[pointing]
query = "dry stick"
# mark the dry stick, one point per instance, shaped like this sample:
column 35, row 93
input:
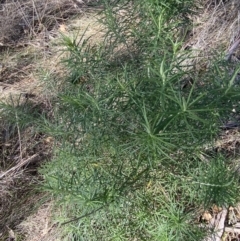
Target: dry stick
column 19, row 137
column 35, row 9
column 19, row 165
column 23, row 14
column 221, row 220
column 232, row 230
column 218, row 224
column 232, row 49
column 5, row 84
column 83, row 216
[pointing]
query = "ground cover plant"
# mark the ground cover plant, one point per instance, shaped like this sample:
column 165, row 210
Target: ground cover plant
column 134, row 121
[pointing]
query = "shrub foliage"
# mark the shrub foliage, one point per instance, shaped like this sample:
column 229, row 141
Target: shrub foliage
column 134, row 122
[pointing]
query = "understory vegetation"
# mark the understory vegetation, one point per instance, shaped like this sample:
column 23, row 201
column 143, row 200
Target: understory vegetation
column 134, row 126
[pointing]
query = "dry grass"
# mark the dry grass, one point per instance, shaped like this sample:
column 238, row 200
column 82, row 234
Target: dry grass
column 216, row 29
column 22, row 152
column 39, row 226
column 29, row 52
column 21, row 19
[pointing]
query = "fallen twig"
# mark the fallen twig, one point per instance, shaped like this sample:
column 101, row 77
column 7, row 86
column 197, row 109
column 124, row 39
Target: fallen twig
column 83, row 216
column 218, row 224
column 232, row 49
column 20, row 165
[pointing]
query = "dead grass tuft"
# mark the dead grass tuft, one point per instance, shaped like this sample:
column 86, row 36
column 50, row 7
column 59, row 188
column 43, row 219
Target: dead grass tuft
column 22, row 152
column 215, row 29
column 22, row 20
column 39, row 226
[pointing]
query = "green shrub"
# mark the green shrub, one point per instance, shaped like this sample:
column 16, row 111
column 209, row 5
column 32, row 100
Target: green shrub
column 132, row 132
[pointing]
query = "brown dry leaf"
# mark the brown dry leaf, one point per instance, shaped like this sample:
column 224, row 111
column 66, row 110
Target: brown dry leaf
column 216, row 209
column 233, row 215
column 62, row 28
column 48, row 140
column 206, row 216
